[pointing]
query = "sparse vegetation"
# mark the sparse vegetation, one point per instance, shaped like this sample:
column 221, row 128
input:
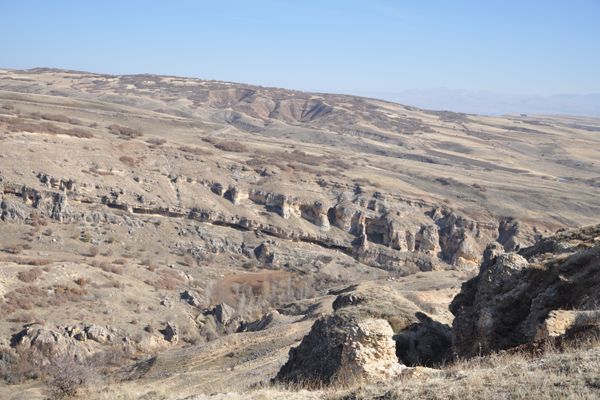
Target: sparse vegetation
column 227, row 145
column 21, row 125
column 60, row 118
column 156, row 141
column 124, row 131
column 29, row 275
column 195, row 150
column 127, row 160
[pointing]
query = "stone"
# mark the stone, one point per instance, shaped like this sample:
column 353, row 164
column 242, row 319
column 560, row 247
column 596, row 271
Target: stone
column 98, row 333
column 516, row 297
column 369, row 353
column 560, row 322
column 224, row 313
column 191, row 298
column 170, row 333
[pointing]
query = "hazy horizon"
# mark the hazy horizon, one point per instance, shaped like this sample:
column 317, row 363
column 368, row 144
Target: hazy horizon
column 494, row 57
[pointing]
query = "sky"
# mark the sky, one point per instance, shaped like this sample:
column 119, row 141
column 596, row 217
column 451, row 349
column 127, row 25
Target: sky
column 381, row 48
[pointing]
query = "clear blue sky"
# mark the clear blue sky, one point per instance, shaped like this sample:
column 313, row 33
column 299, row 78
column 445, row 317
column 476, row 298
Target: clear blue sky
column 364, row 47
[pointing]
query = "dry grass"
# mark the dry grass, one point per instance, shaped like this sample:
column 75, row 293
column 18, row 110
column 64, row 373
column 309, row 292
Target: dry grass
column 572, row 373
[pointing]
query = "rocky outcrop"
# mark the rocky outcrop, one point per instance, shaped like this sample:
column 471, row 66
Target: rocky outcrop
column 170, row 332
column 78, row 339
column 369, row 353
column 363, row 338
column 427, row 342
column 375, row 228
column 519, row 297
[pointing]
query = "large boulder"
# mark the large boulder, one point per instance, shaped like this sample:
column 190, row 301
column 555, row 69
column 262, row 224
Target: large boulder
column 369, row 352
column 512, row 301
column 358, row 341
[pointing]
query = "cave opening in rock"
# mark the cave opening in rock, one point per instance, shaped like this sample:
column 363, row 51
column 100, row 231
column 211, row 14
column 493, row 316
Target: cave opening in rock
column 376, row 231
column 331, row 216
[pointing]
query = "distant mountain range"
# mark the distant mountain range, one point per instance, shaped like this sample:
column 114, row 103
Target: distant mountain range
column 485, row 102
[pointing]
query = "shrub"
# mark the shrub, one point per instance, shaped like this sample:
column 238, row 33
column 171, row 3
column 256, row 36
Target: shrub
column 167, row 280
column 124, row 131
column 24, row 298
column 93, row 251
column 150, row 264
column 106, row 267
column 229, row 145
column 37, row 220
column 81, row 281
column 189, row 260
column 156, row 141
column 195, row 150
column 19, row 125
column 14, row 248
column 66, row 376
column 30, row 275
column 127, row 160
column 22, row 317
column 61, row 118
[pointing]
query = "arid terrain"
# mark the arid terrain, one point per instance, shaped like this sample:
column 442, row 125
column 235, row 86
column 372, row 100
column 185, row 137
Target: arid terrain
column 176, row 238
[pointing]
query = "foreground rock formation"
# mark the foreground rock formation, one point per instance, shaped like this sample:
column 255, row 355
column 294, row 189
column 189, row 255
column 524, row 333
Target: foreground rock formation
column 547, row 290
column 374, row 330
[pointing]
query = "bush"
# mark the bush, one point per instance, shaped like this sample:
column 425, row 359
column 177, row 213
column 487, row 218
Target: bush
column 14, row 248
column 235, row 147
column 127, row 160
column 124, row 131
column 156, row 141
column 66, row 376
column 167, row 280
column 106, row 267
column 195, row 150
column 81, row 281
column 19, row 125
column 29, row 275
column 61, row 118
column 93, row 251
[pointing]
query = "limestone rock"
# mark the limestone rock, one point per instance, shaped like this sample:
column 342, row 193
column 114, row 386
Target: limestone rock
column 369, row 352
column 11, row 210
column 98, row 333
column 560, row 322
column 510, row 302
column 428, row 239
column 170, row 332
column 191, row 298
column 48, row 341
column 357, row 340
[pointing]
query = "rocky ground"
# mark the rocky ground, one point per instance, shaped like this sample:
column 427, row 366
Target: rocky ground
column 181, row 236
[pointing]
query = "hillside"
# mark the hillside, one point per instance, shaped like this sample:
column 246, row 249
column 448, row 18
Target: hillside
column 188, row 233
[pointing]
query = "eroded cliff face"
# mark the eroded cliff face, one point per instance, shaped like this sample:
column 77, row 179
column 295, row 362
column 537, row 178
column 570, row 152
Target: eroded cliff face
column 378, row 230
column 547, row 290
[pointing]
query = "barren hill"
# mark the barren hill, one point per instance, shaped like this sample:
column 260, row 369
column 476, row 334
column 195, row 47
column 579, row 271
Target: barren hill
column 210, row 223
